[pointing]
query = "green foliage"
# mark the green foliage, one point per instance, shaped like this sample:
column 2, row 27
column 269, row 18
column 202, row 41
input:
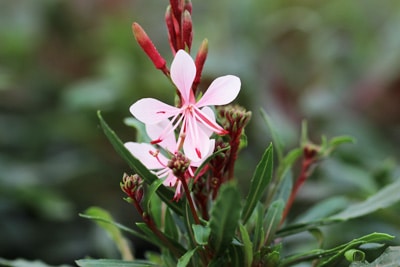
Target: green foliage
column 261, row 178
column 224, row 219
column 112, row 230
column 244, row 237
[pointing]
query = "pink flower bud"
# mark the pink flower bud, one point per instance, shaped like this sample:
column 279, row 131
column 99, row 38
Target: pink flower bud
column 148, row 47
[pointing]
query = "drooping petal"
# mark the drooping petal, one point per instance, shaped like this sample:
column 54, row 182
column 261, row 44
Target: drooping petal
column 152, row 111
column 222, row 91
column 183, row 71
column 142, row 152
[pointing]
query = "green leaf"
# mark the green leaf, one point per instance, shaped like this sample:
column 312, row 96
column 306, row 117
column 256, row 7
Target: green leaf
column 385, row 197
column 236, row 256
column 141, row 135
column 248, row 246
column 224, row 219
column 261, row 178
column 323, row 209
column 113, row 263
column 171, row 229
column 26, row 263
column 338, row 140
column 334, row 254
column 112, row 230
column 165, row 194
column 148, row 196
column 389, row 258
column 118, row 225
column 259, row 233
column 354, row 255
column 184, row 260
column 201, row 234
column 273, row 219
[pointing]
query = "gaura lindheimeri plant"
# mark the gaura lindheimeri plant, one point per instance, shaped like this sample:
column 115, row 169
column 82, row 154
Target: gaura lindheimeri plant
column 184, row 187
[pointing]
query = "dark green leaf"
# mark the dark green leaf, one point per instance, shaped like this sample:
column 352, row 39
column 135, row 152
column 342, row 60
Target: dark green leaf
column 273, row 219
column 236, row 256
column 261, row 178
column 323, row 209
column 164, row 193
column 113, row 263
column 384, row 198
column 184, row 260
column 224, row 219
column 171, row 229
column 247, row 246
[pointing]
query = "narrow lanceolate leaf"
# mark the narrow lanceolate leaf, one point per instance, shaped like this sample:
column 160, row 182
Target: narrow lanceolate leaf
column 113, row 263
column 384, row 198
column 224, row 219
column 113, row 231
column 261, row 178
column 247, row 246
column 138, row 167
column 272, row 219
column 184, row 260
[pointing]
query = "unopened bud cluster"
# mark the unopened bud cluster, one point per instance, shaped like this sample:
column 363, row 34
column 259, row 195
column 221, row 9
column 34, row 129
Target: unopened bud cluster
column 132, row 185
column 234, row 117
column 179, row 163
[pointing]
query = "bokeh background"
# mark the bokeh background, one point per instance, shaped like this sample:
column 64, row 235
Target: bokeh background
column 334, row 63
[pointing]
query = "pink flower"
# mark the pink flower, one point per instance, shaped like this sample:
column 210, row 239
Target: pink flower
column 197, row 124
column 155, row 161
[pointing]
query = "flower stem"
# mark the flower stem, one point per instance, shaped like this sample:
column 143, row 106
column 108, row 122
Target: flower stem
column 190, row 200
column 310, row 157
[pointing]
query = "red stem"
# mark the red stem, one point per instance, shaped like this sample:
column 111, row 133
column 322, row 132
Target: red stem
column 308, row 160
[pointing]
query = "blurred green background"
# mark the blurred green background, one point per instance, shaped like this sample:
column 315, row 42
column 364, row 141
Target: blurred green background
column 334, row 63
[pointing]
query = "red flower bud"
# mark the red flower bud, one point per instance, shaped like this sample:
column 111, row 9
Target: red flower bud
column 176, row 8
column 187, row 30
column 188, row 6
column 148, row 47
column 169, row 21
column 199, row 62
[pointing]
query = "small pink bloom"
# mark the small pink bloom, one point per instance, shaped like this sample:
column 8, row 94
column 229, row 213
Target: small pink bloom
column 191, row 115
column 155, row 161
